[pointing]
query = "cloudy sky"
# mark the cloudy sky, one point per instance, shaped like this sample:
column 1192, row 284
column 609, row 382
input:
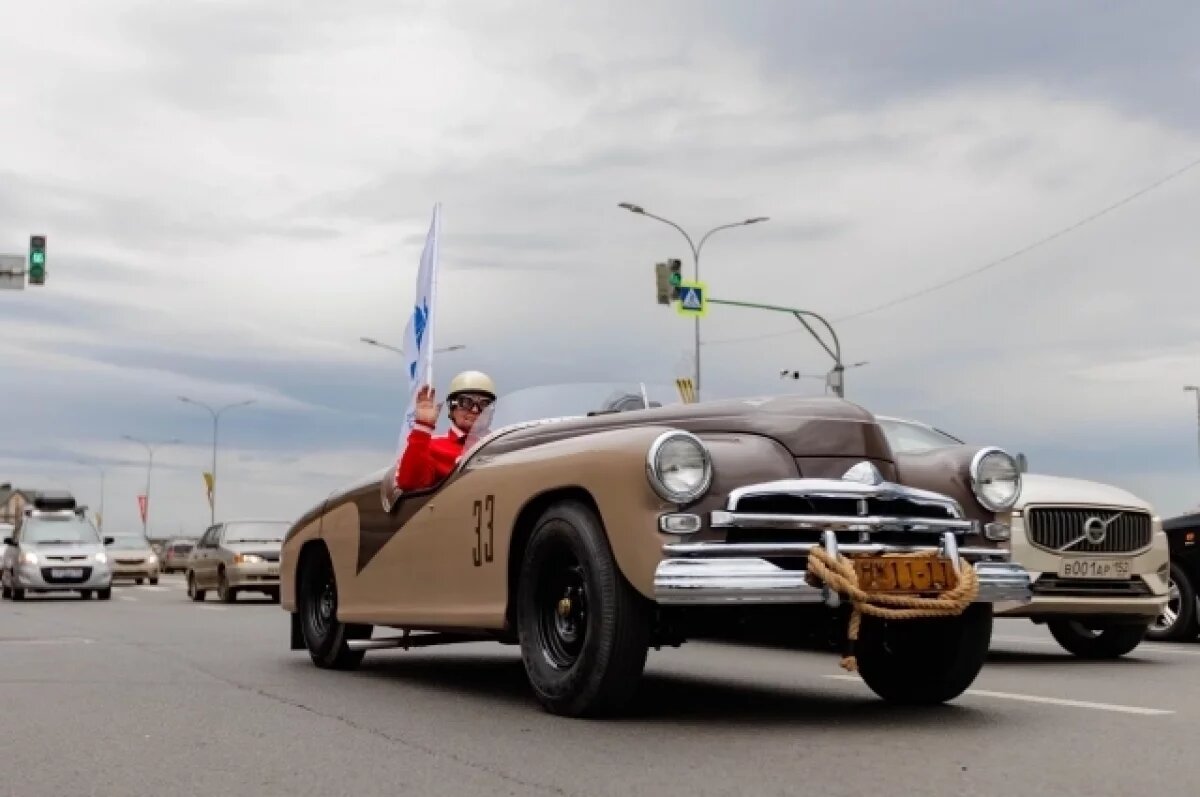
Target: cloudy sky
column 235, row 192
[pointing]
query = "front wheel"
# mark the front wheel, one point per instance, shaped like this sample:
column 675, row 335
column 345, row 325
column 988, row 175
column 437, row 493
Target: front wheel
column 927, row 661
column 1101, row 642
column 1178, row 618
column 104, row 594
column 316, row 603
column 225, row 593
column 154, row 581
column 584, row 631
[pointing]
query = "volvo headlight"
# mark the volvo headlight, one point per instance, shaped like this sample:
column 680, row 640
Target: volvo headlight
column 996, row 479
column 679, row 467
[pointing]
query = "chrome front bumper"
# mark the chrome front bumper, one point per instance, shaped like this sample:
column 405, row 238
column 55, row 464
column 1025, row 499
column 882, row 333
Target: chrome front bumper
column 715, row 573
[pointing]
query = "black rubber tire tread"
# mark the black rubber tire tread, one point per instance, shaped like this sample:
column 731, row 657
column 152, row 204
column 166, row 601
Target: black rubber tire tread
column 606, row 675
column 153, row 581
column 196, row 594
column 329, row 652
column 104, row 594
column 225, row 593
column 1111, row 643
column 924, row 662
column 1186, row 627
column 18, row 594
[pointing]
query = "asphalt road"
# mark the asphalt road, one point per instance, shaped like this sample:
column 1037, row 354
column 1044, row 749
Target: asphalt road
column 150, row 694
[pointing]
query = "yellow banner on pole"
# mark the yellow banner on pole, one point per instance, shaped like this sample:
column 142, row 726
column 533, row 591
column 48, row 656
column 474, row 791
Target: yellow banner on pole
column 687, row 390
column 208, row 485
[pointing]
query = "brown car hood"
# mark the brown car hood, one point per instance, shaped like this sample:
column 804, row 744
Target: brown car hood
column 807, row 427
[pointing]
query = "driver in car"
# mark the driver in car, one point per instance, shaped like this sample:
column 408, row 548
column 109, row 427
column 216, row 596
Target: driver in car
column 427, row 460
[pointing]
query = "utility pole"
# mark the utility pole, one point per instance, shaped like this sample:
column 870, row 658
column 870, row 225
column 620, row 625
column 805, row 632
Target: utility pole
column 216, row 418
column 638, row 209
column 1196, row 389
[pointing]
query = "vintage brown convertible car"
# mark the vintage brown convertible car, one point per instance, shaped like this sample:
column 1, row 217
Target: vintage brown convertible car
column 587, row 540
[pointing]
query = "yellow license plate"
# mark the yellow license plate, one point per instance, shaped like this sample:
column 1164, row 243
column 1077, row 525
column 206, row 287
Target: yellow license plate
column 904, row 574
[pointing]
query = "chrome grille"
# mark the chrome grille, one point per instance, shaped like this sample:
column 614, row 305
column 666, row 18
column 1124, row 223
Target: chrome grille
column 1061, row 529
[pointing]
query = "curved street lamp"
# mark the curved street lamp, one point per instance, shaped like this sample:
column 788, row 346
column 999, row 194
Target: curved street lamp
column 216, row 416
column 641, row 211
column 398, row 350
column 149, row 470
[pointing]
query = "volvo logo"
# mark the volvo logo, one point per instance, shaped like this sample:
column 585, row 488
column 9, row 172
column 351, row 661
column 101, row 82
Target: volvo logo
column 1096, row 530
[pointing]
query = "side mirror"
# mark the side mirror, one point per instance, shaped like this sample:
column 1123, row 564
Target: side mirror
column 9, row 541
column 109, row 540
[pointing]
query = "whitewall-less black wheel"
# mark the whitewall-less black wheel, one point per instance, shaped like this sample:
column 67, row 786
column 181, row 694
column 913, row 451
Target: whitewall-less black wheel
column 584, row 631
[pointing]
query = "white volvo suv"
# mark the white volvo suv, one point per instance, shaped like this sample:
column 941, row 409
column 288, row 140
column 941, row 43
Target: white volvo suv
column 1097, row 554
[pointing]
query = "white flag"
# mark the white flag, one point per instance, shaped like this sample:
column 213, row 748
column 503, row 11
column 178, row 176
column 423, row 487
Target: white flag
column 418, row 335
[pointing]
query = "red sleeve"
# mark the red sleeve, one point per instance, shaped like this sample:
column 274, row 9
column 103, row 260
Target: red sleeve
column 415, row 470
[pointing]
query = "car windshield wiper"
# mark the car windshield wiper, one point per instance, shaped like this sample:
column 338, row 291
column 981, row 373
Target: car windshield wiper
column 256, row 540
column 58, row 542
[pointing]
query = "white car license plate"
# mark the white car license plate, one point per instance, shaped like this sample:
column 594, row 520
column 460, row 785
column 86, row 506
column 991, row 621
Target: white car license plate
column 1111, row 569
column 66, row 572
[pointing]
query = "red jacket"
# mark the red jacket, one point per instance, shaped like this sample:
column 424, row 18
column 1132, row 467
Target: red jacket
column 427, row 460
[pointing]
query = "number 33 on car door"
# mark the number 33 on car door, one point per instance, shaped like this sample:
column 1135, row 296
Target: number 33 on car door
column 485, row 518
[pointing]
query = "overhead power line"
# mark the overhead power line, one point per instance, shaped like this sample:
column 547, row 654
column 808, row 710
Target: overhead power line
column 986, row 266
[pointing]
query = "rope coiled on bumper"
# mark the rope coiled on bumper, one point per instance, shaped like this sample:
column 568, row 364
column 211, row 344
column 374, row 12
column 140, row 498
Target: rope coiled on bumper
column 838, row 573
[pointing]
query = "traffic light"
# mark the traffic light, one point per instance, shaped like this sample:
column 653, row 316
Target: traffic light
column 676, row 277
column 37, row 260
column 662, row 283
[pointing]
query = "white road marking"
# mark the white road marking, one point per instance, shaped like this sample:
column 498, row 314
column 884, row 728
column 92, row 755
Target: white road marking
column 126, row 598
column 1149, row 646
column 64, row 640
column 1053, row 701
column 213, row 608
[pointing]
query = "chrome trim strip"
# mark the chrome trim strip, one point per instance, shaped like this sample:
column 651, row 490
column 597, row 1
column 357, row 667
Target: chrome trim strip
column 715, row 582
column 721, row 550
column 838, row 488
column 720, row 518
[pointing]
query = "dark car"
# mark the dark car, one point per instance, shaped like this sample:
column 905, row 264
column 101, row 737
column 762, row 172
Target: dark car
column 1181, row 619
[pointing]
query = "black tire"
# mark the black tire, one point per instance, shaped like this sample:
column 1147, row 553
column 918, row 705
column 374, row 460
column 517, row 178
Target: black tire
column 225, row 593
column 138, row 581
column 1178, row 620
column 85, row 594
column 104, row 594
column 5, row 592
column 588, row 661
column 316, row 603
column 1100, row 642
column 18, row 594
column 195, row 594
column 154, row 581
column 924, row 662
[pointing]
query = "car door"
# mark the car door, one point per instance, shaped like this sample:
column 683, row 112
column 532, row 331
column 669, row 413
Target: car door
column 203, row 564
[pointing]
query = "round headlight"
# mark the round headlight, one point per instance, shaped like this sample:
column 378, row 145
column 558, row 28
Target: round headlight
column 679, row 467
column 996, row 479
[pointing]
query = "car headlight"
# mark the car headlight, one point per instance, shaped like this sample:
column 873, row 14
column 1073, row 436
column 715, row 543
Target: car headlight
column 152, row 559
column 247, row 559
column 996, row 479
column 28, row 558
column 679, row 467
column 102, row 557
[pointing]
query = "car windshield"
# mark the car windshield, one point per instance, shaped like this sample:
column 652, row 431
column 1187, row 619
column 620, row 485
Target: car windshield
column 271, row 531
column 180, row 547
column 128, row 543
column 59, row 530
column 556, row 402
column 907, row 437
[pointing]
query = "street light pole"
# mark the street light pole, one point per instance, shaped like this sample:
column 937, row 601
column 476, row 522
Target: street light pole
column 398, row 350
column 1196, row 389
column 638, row 209
column 216, row 417
column 149, row 470
column 101, row 469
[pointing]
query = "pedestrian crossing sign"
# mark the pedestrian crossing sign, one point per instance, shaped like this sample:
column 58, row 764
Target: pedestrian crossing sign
column 693, row 299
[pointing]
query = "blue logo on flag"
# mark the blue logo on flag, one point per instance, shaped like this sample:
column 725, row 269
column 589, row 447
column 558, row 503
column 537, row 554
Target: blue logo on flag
column 420, row 319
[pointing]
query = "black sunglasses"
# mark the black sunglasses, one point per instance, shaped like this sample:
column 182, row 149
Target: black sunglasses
column 471, row 404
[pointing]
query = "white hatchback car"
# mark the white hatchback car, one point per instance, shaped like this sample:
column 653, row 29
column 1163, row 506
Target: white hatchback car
column 1097, row 554
column 55, row 548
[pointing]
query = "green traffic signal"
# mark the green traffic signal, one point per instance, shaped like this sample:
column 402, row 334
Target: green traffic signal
column 37, row 260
